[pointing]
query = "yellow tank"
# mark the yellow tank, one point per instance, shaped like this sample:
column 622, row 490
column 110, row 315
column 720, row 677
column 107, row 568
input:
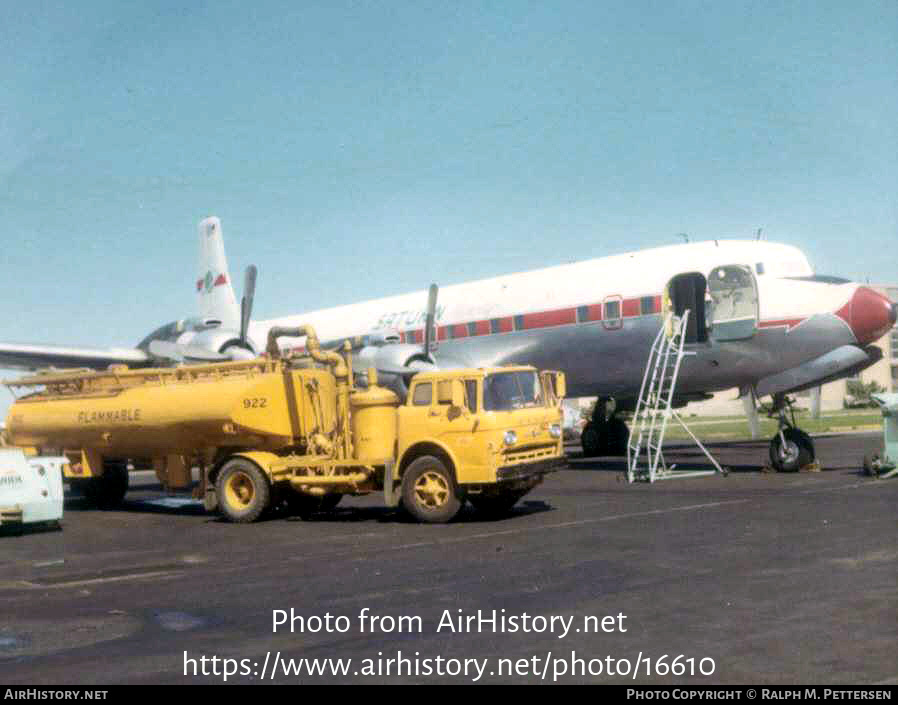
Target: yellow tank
column 374, row 421
column 152, row 413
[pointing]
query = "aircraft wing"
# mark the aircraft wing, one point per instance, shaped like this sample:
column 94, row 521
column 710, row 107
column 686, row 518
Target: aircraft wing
column 14, row 356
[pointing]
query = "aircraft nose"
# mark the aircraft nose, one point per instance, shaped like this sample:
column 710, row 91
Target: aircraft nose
column 869, row 314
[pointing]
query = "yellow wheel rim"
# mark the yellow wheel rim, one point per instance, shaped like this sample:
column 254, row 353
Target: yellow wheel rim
column 432, row 490
column 240, row 490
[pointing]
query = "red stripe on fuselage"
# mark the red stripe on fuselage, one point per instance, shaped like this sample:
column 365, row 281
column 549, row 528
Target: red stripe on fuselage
column 630, row 308
column 784, row 323
column 547, row 319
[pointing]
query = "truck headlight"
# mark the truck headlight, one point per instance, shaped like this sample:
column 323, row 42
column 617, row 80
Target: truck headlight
column 510, row 438
column 555, row 430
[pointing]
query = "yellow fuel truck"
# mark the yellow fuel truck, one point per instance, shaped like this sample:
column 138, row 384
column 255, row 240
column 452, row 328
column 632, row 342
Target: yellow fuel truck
column 296, row 431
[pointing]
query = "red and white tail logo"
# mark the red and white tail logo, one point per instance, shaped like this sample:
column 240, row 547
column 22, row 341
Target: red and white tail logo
column 213, row 284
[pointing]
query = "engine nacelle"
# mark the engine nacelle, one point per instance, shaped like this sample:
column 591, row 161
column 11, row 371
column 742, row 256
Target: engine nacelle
column 381, row 337
column 393, row 357
column 225, row 342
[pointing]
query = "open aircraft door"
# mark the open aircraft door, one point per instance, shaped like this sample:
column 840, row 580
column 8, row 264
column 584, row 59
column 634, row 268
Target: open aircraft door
column 733, row 308
column 684, row 292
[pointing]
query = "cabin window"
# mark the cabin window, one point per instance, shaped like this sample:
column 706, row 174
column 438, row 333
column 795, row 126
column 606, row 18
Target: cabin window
column 647, row 305
column 582, row 314
column 519, row 323
column 423, row 394
column 612, row 310
column 611, row 313
column 472, row 329
column 494, row 325
column 759, row 267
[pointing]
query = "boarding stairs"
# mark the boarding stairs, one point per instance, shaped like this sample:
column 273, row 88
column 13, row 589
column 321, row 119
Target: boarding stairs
column 654, row 408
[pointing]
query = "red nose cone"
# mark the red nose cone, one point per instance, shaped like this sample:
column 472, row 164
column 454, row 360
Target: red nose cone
column 869, row 314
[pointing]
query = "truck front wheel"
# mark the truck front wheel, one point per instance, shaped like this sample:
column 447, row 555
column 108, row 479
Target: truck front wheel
column 243, row 491
column 429, row 492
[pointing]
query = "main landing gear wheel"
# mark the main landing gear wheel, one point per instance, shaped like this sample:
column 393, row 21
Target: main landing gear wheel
column 243, row 491
column 590, row 441
column 608, row 438
column 617, row 436
column 106, row 491
column 794, row 454
column 429, row 492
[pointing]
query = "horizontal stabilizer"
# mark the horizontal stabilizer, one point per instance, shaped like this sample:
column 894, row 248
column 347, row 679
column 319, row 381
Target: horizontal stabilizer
column 35, row 357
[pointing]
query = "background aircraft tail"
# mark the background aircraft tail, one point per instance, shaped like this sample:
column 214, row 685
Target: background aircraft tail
column 213, row 284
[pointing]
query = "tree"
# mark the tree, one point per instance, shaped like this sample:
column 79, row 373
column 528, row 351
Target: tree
column 859, row 394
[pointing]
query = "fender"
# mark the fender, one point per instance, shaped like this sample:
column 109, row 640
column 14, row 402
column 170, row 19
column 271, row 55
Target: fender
column 427, row 447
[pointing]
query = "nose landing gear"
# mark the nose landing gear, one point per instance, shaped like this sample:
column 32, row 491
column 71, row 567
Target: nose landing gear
column 791, row 449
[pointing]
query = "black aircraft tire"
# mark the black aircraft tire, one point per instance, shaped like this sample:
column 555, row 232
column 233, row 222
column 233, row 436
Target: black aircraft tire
column 617, row 436
column 798, row 452
column 591, row 441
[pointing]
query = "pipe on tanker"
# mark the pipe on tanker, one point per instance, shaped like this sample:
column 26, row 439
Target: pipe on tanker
column 313, row 346
column 354, row 478
column 341, row 369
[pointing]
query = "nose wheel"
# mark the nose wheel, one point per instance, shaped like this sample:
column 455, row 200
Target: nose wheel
column 791, row 449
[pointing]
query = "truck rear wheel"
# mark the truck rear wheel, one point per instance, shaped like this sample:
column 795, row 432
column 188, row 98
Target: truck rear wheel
column 429, row 492
column 243, row 491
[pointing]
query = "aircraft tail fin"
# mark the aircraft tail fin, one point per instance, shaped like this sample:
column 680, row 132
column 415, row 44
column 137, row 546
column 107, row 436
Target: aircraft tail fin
column 213, row 285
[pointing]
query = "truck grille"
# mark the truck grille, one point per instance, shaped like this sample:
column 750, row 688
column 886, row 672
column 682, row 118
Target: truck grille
column 528, row 455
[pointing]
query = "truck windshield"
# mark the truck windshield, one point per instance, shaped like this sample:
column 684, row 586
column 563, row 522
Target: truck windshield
column 505, row 391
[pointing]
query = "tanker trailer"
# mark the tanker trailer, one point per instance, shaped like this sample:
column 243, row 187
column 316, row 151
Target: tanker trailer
column 196, row 415
column 294, row 431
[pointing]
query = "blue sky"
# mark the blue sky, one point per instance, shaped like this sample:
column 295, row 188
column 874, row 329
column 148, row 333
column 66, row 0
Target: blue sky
column 362, row 149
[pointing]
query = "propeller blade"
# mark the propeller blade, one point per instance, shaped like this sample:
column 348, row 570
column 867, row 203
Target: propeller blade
column 246, row 303
column 430, row 318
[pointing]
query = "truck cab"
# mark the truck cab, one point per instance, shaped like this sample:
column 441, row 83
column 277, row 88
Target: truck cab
column 487, row 435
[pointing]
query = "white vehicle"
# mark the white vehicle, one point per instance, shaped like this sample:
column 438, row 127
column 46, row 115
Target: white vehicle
column 30, row 488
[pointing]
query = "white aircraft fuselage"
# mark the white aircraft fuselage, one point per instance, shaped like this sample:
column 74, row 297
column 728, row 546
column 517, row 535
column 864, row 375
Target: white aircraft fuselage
column 595, row 320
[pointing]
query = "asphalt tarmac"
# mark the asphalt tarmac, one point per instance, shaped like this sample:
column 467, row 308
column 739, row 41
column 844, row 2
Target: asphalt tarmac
column 755, row 577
